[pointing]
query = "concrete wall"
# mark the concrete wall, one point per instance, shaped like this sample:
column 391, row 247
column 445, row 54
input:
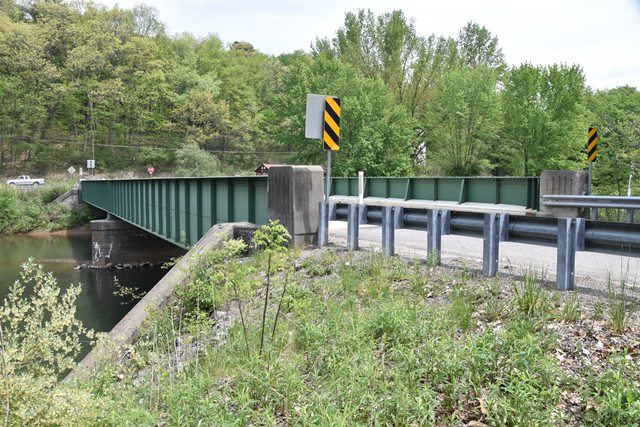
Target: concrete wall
column 294, row 196
column 129, row 328
column 115, row 241
column 562, row 182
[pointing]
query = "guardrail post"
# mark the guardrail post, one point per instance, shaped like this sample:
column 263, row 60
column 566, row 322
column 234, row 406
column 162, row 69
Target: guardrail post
column 565, row 275
column 352, row 228
column 362, row 213
column 491, row 244
column 398, row 213
column 581, row 224
column 323, row 225
column 446, row 222
column 504, row 227
column 630, row 213
column 434, row 235
column 387, row 231
column 332, row 211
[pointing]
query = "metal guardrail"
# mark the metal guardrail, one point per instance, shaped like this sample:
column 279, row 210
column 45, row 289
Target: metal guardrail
column 567, row 234
column 615, row 202
column 180, row 210
column 522, row 191
column 627, row 203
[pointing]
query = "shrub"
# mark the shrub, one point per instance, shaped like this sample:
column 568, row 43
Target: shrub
column 39, row 339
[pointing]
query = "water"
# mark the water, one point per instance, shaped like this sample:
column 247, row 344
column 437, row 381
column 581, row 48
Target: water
column 98, row 308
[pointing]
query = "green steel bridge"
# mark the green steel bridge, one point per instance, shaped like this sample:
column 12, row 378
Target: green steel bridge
column 182, row 210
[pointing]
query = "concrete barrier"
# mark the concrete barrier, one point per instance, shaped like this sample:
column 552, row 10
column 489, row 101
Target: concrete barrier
column 128, row 329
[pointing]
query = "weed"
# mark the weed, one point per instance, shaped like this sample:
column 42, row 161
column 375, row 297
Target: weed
column 272, row 239
column 570, row 309
column 461, row 307
column 620, row 305
column 613, row 398
column 530, row 299
column 598, row 310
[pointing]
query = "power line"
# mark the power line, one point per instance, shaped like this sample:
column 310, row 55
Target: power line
column 138, row 147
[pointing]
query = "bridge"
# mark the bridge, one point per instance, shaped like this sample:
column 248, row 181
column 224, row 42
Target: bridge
column 177, row 212
column 182, row 210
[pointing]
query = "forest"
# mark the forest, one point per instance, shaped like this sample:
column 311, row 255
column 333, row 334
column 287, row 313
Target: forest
column 80, row 80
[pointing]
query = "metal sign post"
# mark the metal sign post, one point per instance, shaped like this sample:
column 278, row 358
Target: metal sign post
column 323, row 122
column 592, row 154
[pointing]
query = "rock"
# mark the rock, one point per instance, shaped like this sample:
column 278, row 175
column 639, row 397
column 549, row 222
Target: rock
column 108, row 266
column 119, row 267
column 126, row 265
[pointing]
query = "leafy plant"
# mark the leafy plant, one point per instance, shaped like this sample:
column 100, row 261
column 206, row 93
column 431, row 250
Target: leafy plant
column 40, row 338
column 272, row 239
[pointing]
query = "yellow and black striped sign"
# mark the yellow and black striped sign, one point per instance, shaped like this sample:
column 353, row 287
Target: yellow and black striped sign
column 331, row 135
column 592, row 145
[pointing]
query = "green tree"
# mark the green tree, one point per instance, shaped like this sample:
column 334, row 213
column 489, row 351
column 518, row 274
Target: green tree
column 616, row 113
column 464, row 121
column 544, row 119
column 376, row 132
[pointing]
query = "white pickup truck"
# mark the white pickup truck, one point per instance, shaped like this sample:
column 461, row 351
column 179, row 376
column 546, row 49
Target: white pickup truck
column 26, row 180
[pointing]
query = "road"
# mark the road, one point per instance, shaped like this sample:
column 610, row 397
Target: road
column 592, row 269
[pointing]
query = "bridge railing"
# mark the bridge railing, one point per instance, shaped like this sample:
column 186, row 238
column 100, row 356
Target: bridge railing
column 522, row 191
column 180, row 210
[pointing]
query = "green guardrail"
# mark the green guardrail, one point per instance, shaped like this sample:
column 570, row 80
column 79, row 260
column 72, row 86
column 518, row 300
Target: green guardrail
column 180, row 210
column 521, row 191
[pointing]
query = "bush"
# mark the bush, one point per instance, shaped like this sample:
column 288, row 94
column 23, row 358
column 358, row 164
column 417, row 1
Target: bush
column 191, row 160
column 40, row 338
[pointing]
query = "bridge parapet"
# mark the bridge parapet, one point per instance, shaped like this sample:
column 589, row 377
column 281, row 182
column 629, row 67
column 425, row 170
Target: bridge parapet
column 180, row 210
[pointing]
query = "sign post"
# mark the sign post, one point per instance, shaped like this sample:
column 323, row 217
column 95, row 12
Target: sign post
column 91, row 165
column 323, row 122
column 592, row 154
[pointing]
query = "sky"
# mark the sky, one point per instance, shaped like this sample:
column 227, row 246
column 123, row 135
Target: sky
column 601, row 36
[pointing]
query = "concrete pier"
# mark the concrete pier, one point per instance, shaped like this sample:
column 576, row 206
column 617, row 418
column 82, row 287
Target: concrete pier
column 115, row 241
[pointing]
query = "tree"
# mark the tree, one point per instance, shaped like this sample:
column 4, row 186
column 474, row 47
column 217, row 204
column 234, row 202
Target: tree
column 464, row 120
column 478, row 47
column 376, row 133
column 544, row 117
column 616, row 113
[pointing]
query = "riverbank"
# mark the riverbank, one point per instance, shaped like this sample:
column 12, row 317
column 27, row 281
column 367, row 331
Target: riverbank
column 33, row 210
column 76, row 231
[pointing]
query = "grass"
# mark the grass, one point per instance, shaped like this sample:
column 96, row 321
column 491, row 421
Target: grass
column 619, row 304
column 361, row 339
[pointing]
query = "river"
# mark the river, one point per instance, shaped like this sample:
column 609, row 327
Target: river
column 98, row 308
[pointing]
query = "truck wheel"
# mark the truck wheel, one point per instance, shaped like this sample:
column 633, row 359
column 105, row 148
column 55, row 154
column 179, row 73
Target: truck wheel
column 35, row 184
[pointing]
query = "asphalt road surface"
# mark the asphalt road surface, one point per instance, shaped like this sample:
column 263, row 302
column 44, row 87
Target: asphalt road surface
column 593, row 270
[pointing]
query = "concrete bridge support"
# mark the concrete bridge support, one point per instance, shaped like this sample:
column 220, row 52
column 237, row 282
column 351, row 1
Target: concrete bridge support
column 294, row 194
column 114, row 241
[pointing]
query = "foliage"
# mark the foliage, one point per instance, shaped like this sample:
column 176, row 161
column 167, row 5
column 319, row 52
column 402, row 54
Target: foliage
column 464, row 121
column 40, row 338
column 544, row 111
column 616, row 114
column 194, row 161
column 79, row 78
column 26, row 210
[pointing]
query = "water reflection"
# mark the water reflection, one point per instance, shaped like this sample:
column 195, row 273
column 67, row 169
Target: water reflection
column 98, row 307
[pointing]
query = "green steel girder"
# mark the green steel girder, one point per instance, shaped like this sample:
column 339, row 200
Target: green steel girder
column 180, row 210
column 521, row 191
